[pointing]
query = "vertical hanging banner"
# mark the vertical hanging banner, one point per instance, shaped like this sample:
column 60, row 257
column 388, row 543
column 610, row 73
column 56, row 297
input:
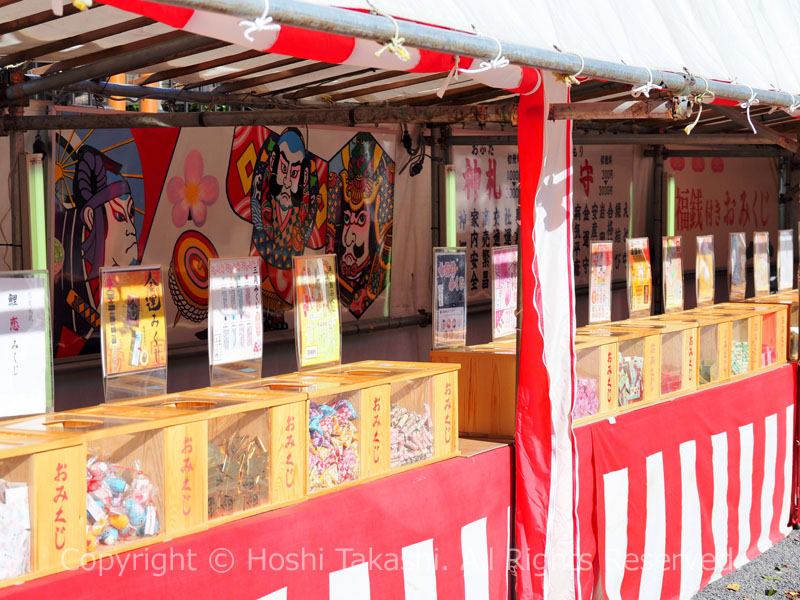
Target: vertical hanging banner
column 785, row 259
column 234, row 308
column 761, row 263
column 449, row 298
column 600, row 282
column 673, row 274
column 704, row 270
column 601, row 191
column 133, row 332
column 737, row 266
column 487, row 207
column 504, row 291
column 640, row 283
column 318, row 330
column 25, row 359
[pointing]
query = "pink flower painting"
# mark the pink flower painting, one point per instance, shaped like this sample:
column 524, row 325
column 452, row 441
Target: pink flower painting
column 191, row 194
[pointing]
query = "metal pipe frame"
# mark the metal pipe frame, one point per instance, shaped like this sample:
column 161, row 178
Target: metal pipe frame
column 168, row 94
column 726, row 152
column 128, row 61
column 756, row 145
column 380, row 29
column 615, row 110
column 495, row 113
column 665, row 139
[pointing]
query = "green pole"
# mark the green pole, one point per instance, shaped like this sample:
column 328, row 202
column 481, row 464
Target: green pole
column 671, row 206
column 450, row 206
column 36, row 205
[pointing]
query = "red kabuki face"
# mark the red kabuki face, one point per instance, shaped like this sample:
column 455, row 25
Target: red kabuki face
column 355, row 241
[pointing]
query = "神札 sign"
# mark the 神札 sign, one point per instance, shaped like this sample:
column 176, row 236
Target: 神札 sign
column 487, row 208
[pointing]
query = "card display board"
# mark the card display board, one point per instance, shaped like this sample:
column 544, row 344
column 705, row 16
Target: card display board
column 640, row 282
column 737, row 266
column 704, row 270
column 600, row 282
column 673, row 273
column 785, row 259
column 449, row 298
column 504, row 291
column 318, row 327
column 133, row 331
column 235, row 336
column 26, row 367
column 761, row 263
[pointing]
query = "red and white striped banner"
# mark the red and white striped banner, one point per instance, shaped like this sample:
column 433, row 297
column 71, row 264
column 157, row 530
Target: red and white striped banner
column 438, row 532
column 687, row 490
column 327, row 47
column 544, row 444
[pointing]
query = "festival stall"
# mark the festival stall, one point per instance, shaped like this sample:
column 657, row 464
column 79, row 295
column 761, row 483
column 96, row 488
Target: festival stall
column 190, row 240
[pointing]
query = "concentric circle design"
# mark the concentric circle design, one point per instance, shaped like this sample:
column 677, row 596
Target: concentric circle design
column 189, row 274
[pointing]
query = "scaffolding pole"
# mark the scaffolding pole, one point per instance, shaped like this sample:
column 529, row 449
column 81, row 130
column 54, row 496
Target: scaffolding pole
column 121, row 90
column 349, row 117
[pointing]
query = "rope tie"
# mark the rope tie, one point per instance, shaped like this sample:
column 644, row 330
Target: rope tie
column 647, row 87
column 262, row 23
column 698, row 100
column 570, row 80
column 498, row 62
column 395, row 43
column 794, row 105
column 747, row 104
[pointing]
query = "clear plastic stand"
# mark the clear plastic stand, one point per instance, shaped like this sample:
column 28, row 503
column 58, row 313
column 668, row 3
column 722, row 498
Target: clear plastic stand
column 318, row 322
column 737, row 266
column 672, row 274
column 133, row 332
column 704, row 278
column 504, row 291
column 785, row 259
column 235, row 332
column 26, row 356
column 761, row 263
column 640, row 278
column 602, row 269
column 449, row 298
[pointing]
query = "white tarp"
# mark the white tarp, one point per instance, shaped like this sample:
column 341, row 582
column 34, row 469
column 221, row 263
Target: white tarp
column 753, row 42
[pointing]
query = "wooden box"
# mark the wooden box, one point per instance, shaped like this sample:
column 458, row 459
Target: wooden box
column 714, row 331
column 597, row 393
column 638, row 362
column 423, row 414
column 678, row 353
column 791, row 299
column 776, row 327
column 343, row 442
column 746, row 337
column 53, row 469
column 126, row 458
column 250, row 451
column 487, row 389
